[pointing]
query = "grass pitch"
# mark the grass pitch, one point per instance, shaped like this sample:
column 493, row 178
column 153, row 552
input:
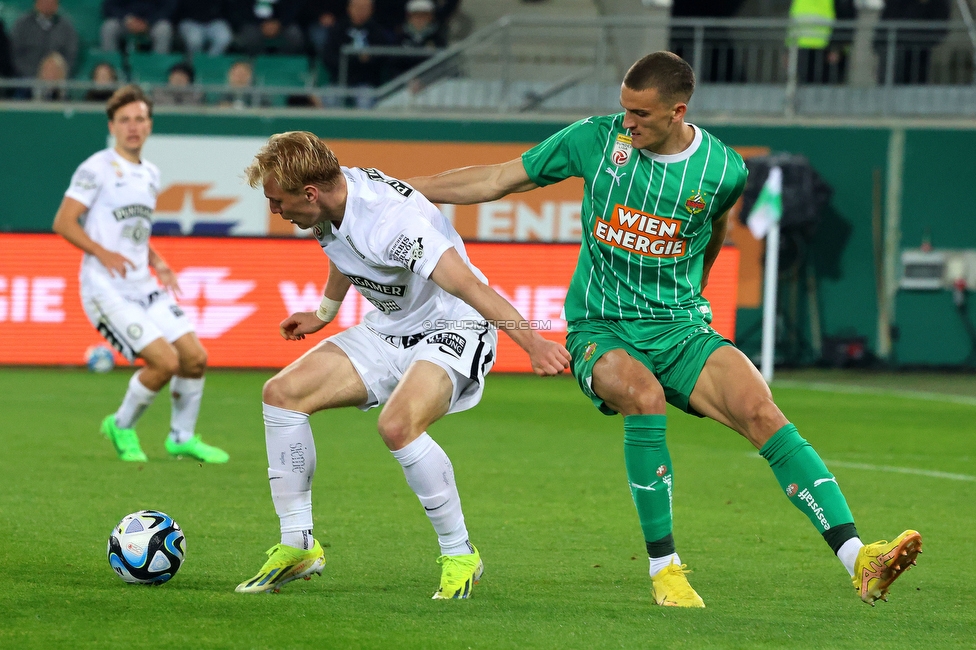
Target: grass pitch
column 542, row 480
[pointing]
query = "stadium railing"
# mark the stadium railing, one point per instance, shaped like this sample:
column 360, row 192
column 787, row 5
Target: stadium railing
column 745, row 67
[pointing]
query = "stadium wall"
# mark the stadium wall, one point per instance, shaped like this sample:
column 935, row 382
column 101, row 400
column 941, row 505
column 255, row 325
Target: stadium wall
column 42, row 148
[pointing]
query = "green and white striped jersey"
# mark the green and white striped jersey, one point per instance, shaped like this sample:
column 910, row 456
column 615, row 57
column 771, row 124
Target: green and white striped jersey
column 646, row 218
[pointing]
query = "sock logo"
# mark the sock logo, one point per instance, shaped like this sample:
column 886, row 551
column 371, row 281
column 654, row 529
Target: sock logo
column 791, row 489
column 297, row 458
column 812, row 504
column 662, row 470
column 649, row 488
column 824, row 480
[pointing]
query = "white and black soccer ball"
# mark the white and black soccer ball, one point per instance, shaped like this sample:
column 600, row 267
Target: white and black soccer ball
column 147, row 548
column 99, row 358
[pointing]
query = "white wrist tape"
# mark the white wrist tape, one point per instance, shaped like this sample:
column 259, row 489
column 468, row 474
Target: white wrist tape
column 328, row 309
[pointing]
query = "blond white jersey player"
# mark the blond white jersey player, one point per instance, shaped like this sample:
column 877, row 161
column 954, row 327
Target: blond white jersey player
column 107, row 213
column 423, row 353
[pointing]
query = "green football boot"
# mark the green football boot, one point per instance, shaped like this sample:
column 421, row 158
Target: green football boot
column 126, row 441
column 198, row 449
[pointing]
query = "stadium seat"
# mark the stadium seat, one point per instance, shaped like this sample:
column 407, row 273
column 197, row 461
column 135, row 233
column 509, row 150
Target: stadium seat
column 86, row 16
column 88, row 59
column 212, row 70
column 146, row 67
column 281, row 70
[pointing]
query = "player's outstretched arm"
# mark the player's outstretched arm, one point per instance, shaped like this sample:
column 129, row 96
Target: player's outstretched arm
column 66, row 224
column 476, row 184
column 296, row 326
column 720, row 228
column 452, row 275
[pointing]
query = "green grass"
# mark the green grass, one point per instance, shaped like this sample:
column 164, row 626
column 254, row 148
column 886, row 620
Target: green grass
column 542, row 480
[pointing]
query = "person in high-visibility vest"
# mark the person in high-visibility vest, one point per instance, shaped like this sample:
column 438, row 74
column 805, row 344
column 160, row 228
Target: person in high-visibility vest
column 822, row 57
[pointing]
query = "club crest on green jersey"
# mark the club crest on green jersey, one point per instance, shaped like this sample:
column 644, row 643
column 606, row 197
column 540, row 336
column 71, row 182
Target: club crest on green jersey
column 695, row 202
column 622, row 149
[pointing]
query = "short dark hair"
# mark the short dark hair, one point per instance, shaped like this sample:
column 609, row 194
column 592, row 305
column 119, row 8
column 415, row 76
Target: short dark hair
column 124, row 96
column 185, row 67
column 666, row 72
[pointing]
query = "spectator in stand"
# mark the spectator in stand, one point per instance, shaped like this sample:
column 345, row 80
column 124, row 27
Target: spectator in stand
column 269, row 26
column 240, row 78
column 52, row 69
column 419, row 31
column 137, row 22
column 38, row 33
column 359, row 30
column 106, row 78
column 913, row 47
column 321, row 16
column 205, row 25
column 179, row 89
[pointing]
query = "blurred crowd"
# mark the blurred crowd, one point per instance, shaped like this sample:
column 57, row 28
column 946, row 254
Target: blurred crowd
column 44, row 44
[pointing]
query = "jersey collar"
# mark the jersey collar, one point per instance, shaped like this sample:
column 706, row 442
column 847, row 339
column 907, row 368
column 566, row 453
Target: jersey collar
column 680, row 156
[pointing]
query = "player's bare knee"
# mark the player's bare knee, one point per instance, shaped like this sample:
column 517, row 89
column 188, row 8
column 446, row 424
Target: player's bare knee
column 395, row 430
column 276, row 392
column 762, row 419
column 166, row 366
column 193, row 364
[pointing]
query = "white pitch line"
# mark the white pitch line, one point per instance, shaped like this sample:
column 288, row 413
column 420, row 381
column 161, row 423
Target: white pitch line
column 890, row 468
column 863, row 390
column 901, row 470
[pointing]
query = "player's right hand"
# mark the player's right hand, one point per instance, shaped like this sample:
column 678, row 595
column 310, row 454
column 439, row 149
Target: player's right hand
column 116, row 263
column 548, row 358
column 296, row 326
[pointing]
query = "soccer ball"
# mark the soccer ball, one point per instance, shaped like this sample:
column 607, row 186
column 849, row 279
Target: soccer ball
column 99, row 358
column 147, row 548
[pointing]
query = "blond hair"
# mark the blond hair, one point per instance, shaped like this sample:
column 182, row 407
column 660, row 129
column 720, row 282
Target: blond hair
column 294, row 159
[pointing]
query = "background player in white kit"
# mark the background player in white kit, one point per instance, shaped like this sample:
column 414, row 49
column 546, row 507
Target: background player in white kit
column 113, row 194
column 423, row 353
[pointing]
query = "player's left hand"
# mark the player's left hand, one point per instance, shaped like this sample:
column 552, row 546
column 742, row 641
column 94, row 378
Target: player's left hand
column 168, row 279
column 548, row 358
column 296, row 326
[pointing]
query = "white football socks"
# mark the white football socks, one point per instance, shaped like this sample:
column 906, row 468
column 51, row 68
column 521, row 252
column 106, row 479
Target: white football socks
column 431, row 476
column 847, row 553
column 291, row 466
column 186, row 394
column 660, row 563
column 137, row 399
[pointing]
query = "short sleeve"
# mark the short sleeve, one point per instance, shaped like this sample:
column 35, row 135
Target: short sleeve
column 410, row 241
column 85, row 184
column 560, row 155
column 737, row 183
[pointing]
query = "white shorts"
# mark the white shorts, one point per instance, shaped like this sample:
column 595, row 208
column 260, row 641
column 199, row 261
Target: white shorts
column 130, row 324
column 466, row 354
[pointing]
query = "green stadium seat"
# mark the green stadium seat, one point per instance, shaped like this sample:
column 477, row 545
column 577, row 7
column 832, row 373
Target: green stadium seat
column 88, row 59
column 212, row 70
column 146, row 67
column 281, row 70
column 86, row 16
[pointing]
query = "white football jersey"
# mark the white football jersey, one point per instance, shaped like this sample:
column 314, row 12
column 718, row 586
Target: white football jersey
column 120, row 197
column 388, row 244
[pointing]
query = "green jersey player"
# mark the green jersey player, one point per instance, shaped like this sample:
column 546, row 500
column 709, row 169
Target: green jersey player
column 657, row 194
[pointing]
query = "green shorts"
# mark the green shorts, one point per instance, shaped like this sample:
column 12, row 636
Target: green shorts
column 674, row 351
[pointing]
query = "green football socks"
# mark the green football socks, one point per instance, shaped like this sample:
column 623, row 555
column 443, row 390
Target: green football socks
column 649, row 474
column 808, row 484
